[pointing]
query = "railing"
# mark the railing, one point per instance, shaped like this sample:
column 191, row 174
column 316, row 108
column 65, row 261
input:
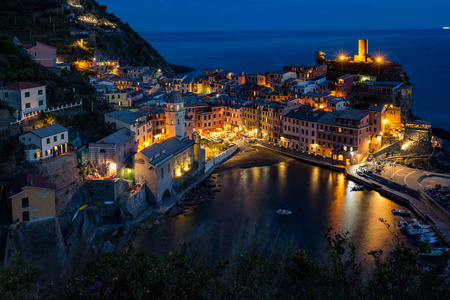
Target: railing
column 36, row 113
column 220, row 158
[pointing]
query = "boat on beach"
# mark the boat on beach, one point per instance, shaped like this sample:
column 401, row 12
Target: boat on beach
column 401, row 212
column 284, row 212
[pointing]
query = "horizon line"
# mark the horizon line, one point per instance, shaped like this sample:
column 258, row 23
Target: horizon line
column 291, row 30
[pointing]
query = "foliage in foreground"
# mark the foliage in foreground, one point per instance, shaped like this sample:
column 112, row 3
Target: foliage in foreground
column 182, row 274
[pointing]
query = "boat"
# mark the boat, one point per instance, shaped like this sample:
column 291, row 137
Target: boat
column 429, row 234
column 446, row 27
column 427, row 238
column 357, row 188
column 401, row 212
column 435, row 251
column 284, row 212
column 414, row 231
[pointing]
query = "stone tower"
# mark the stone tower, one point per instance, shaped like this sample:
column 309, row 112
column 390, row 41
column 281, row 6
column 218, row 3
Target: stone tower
column 175, row 113
column 363, row 50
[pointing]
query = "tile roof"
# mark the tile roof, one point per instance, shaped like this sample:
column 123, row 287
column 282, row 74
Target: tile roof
column 159, row 152
column 378, row 108
column 306, row 113
column 49, row 131
column 118, row 138
column 124, row 116
column 29, row 180
column 23, row 85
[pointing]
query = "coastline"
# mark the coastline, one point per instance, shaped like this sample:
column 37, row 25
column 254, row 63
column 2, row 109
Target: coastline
column 425, row 211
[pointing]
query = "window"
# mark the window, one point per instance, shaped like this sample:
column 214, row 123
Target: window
column 40, row 92
column 48, row 141
column 27, row 94
column 6, row 95
column 55, row 138
column 41, row 102
column 162, row 172
column 25, row 202
column 27, row 105
column 26, row 216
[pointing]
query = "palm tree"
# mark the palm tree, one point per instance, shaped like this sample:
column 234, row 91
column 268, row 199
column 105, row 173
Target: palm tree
column 320, row 57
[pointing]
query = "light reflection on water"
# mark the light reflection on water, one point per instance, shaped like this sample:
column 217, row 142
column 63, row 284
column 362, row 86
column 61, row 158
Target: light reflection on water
column 242, row 215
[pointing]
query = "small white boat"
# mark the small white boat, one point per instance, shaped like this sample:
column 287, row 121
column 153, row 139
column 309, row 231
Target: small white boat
column 428, row 238
column 401, row 212
column 284, row 212
column 357, row 188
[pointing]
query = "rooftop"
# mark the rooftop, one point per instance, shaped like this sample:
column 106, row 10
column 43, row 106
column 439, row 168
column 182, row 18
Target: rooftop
column 49, row 131
column 159, row 152
column 118, row 138
column 125, row 116
column 23, row 85
column 29, row 180
column 306, row 113
column 378, row 108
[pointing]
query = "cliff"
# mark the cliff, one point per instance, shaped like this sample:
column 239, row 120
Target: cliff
column 51, row 22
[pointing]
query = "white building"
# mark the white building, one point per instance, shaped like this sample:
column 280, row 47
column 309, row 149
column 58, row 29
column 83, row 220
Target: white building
column 175, row 113
column 45, row 142
column 26, row 97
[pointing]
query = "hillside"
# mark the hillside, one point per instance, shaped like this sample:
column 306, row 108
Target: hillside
column 50, row 22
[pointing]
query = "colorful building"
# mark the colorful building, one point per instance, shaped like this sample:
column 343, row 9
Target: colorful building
column 31, row 198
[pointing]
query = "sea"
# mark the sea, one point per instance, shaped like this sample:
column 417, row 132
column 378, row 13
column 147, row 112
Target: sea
column 241, row 215
column 424, row 55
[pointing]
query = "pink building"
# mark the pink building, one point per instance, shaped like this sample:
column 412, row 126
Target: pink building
column 300, row 129
column 234, row 117
column 344, row 85
column 42, row 54
column 344, row 135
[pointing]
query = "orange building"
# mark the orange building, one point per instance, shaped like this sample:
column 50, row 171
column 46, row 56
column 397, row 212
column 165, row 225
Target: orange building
column 31, row 198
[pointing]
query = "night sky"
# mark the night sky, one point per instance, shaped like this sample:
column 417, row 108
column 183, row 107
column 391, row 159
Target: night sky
column 201, row 15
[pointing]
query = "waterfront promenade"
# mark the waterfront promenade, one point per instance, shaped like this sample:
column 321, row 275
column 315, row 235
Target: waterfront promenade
column 408, row 180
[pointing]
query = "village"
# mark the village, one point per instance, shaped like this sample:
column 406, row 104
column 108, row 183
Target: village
column 169, row 133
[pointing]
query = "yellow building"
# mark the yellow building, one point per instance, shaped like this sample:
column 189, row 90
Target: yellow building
column 31, row 198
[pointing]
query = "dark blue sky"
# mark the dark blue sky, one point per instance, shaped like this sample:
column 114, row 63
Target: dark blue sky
column 180, row 15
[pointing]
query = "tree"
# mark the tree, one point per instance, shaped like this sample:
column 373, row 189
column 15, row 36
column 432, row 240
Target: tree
column 17, row 281
column 320, row 57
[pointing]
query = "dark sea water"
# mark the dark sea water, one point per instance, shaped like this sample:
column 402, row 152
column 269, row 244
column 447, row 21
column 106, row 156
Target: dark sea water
column 424, row 54
column 242, row 215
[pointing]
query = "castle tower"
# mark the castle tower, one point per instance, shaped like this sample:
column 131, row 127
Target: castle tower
column 175, row 113
column 363, row 50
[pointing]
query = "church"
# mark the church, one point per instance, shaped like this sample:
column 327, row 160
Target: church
column 164, row 167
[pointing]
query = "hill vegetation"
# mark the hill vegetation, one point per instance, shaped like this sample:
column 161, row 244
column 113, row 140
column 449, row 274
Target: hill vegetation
column 50, row 22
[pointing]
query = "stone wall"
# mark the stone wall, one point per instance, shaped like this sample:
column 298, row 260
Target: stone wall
column 395, row 147
column 138, row 202
column 41, row 244
column 416, row 142
column 64, row 172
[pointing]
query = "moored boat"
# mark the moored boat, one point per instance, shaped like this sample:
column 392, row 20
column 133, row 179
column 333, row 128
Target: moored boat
column 401, row 212
column 435, row 251
column 414, row 231
column 284, row 212
column 357, row 188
